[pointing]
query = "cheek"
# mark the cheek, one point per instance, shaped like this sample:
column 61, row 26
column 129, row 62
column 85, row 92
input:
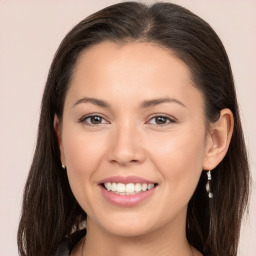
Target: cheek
column 82, row 157
column 82, row 151
column 179, row 158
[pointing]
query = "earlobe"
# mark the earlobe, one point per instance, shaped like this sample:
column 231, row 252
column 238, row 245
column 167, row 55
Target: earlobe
column 219, row 138
column 57, row 128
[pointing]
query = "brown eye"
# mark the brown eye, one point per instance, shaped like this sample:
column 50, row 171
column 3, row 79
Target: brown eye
column 93, row 120
column 160, row 120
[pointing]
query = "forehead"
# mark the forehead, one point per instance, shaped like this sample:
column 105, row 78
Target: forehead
column 135, row 57
column 138, row 69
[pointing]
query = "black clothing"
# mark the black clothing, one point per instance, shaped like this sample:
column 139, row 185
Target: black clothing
column 66, row 247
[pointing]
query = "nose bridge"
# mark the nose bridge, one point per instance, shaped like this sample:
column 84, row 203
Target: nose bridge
column 126, row 144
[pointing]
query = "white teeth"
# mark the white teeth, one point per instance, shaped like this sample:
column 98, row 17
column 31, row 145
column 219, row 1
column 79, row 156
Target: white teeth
column 108, row 186
column 120, row 187
column 150, row 186
column 137, row 187
column 128, row 189
column 144, row 187
column 114, row 187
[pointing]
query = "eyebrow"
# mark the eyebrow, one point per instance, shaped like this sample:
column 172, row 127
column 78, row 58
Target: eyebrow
column 144, row 104
column 94, row 101
column 153, row 102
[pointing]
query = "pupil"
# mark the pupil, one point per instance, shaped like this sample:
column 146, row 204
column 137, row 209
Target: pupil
column 160, row 120
column 96, row 119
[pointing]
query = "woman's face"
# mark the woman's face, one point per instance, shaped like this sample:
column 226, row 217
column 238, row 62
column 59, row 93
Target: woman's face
column 132, row 122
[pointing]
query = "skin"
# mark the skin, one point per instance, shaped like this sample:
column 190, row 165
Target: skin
column 130, row 141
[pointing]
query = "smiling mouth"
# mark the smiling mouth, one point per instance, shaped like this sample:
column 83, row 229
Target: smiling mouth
column 127, row 189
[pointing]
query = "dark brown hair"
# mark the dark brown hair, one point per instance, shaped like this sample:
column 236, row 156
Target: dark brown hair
column 50, row 212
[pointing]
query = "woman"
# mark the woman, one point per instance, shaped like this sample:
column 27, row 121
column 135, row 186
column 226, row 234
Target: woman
column 140, row 149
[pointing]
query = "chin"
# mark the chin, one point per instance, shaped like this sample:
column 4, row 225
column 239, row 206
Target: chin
column 127, row 225
column 127, row 230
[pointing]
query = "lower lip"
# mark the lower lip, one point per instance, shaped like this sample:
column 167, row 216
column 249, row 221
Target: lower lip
column 126, row 200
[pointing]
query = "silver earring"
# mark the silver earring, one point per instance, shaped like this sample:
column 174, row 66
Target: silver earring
column 63, row 166
column 208, row 187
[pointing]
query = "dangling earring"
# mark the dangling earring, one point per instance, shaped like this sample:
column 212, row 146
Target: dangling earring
column 208, row 188
column 63, row 166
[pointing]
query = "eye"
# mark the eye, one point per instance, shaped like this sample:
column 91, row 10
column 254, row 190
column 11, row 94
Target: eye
column 93, row 120
column 160, row 120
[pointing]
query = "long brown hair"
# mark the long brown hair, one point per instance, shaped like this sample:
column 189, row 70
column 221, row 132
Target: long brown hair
column 50, row 212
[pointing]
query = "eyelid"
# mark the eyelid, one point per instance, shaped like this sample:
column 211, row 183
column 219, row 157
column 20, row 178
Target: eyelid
column 83, row 118
column 170, row 118
column 155, row 115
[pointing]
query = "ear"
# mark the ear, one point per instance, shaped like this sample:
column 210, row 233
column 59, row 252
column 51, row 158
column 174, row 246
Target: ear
column 57, row 128
column 218, row 139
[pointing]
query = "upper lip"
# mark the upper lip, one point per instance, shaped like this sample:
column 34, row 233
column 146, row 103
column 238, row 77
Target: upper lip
column 126, row 180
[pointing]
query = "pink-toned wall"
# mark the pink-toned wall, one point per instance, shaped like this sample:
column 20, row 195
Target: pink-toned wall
column 30, row 32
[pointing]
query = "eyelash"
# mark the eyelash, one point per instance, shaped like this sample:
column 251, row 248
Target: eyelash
column 165, row 117
column 84, row 118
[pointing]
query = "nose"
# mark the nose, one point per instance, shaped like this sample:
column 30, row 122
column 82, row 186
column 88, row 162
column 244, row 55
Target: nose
column 126, row 147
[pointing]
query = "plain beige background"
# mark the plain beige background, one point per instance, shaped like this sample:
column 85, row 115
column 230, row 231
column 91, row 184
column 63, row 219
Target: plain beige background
column 30, row 32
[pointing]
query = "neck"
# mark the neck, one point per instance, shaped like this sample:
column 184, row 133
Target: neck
column 170, row 240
